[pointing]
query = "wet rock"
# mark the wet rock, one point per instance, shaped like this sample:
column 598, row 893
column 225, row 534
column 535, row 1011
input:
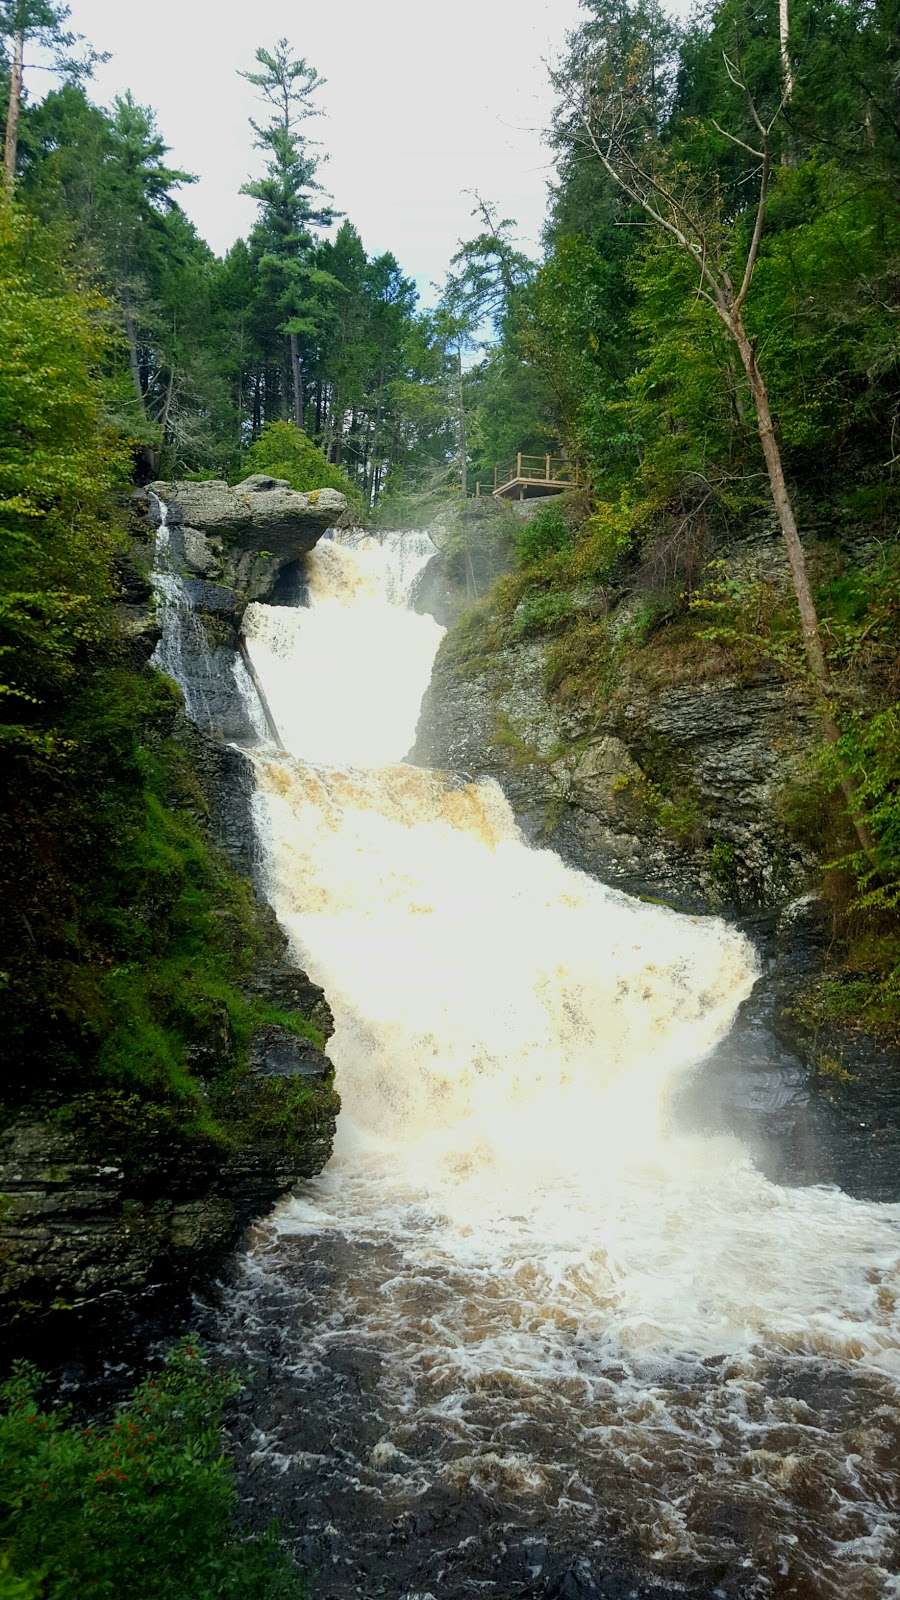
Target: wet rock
column 474, row 546
column 577, row 780
column 139, row 632
column 99, row 1222
column 198, row 557
column 135, row 611
column 275, row 1052
column 243, row 536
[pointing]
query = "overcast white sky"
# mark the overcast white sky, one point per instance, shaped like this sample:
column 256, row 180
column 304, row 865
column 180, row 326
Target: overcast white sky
column 424, row 100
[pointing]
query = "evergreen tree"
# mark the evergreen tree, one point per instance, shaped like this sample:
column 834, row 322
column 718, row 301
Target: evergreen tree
column 42, row 22
column 286, row 196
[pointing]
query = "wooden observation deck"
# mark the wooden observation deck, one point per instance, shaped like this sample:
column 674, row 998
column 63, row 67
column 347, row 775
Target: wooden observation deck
column 529, row 477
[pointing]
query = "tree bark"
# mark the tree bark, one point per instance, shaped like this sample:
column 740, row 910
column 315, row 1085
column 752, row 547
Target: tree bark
column 256, row 418
column 461, row 419
column 133, row 362
column 167, row 408
column 297, row 380
column 11, row 142
column 809, row 620
column 787, row 71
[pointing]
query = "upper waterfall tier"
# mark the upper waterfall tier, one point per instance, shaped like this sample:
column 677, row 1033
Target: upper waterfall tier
column 345, row 677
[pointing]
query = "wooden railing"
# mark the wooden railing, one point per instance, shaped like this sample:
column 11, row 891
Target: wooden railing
column 529, row 469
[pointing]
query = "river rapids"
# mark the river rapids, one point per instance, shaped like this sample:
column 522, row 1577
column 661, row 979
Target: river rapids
column 528, row 1335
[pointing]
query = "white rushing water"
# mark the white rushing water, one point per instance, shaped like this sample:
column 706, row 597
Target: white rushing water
column 587, row 1304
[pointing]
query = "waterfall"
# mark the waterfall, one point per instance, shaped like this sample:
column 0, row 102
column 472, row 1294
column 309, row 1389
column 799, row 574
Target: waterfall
column 597, row 1319
column 216, row 685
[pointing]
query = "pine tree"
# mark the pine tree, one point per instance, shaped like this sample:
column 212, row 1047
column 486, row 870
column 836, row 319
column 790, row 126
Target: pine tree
column 286, row 196
column 44, row 23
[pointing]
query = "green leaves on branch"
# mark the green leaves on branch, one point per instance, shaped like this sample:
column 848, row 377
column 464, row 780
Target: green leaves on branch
column 150, row 1494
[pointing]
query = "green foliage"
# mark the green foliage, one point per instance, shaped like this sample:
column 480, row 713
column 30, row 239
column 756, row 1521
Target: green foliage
column 677, row 812
column 284, row 451
column 149, row 940
column 870, row 751
column 546, row 533
column 147, row 1500
column 541, row 613
column 580, row 662
column 200, row 364
column 59, row 466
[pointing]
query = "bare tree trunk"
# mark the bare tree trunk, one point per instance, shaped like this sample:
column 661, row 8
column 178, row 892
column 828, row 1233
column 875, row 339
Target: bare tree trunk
column 167, row 408
column 133, row 362
column 332, row 416
column 461, row 422
column 11, row 142
column 256, row 418
column 271, row 394
column 809, row 620
column 675, row 215
column 787, row 71
column 296, row 380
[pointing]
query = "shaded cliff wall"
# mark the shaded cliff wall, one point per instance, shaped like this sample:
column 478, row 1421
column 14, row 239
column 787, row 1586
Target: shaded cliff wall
column 166, row 1076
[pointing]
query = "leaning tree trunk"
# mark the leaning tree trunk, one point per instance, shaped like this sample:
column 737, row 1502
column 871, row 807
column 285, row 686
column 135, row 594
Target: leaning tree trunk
column 296, row 380
column 809, row 620
column 11, row 142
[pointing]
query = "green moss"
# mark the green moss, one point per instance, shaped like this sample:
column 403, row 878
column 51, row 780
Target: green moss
column 143, row 997
column 218, row 632
column 542, row 613
column 470, row 647
column 677, row 813
column 581, row 663
column 861, row 990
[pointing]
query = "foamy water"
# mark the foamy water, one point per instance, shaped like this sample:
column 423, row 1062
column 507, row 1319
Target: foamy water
column 590, row 1318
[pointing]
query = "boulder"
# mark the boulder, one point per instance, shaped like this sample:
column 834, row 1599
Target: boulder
column 260, row 513
column 246, row 539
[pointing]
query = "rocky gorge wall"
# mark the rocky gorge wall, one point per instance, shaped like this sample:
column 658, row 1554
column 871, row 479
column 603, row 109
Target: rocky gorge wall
column 645, row 759
column 109, row 1206
column 656, row 774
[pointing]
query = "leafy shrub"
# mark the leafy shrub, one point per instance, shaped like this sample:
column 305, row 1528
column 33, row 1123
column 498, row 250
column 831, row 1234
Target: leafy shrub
column 544, row 534
column 677, row 814
column 541, row 613
column 143, row 1504
column 284, row 451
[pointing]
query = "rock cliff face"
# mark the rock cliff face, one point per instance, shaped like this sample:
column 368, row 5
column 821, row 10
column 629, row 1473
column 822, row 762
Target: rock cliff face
column 103, row 1226
column 243, row 539
column 669, row 784
column 104, row 1217
column 587, row 785
column 666, row 783
column 224, row 547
